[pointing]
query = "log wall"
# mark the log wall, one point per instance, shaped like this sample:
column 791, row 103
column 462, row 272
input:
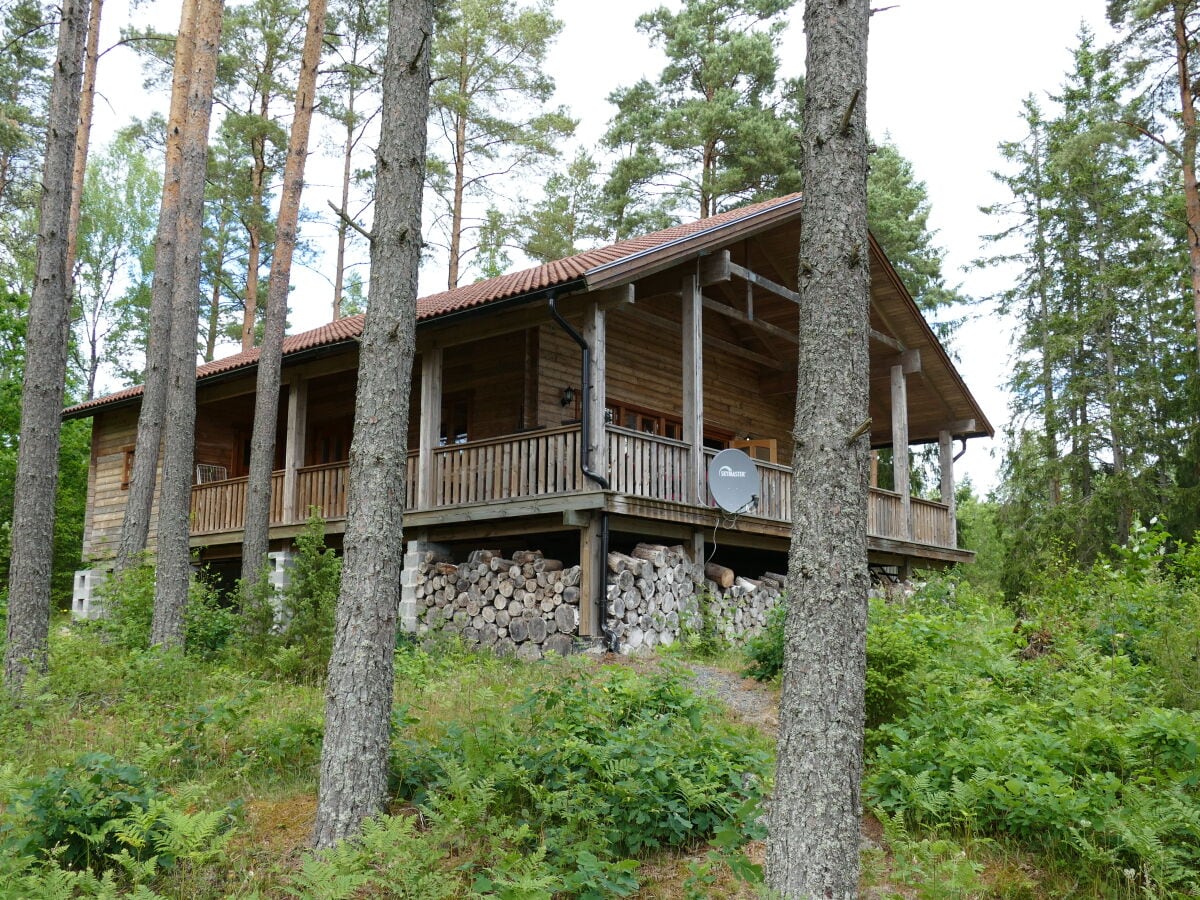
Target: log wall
column 113, row 433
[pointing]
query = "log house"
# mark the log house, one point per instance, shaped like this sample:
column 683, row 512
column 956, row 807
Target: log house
column 690, row 343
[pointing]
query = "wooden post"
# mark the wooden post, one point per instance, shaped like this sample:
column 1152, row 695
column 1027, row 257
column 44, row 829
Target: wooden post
column 946, row 460
column 900, row 448
column 698, row 548
column 431, row 423
column 874, row 468
column 591, row 584
column 594, row 334
column 297, row 425
column 693, row 388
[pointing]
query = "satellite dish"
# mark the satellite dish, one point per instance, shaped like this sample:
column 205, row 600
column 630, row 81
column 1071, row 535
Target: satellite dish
column 733, row 480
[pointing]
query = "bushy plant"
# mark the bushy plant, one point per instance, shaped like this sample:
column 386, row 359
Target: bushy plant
column 291, row 633
column 1063, row 749
column 601, row 768
column 764, row 652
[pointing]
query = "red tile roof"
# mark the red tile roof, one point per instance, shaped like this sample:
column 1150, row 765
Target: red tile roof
column 502, row 287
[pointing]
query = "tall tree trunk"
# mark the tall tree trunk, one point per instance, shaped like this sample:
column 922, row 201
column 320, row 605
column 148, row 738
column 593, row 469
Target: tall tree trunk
column 214, row 299
column 258, row 180
column 812, row 849
column 358, row 698
column 46, row 346
column 139, row 503
column 460, row 175
column 343, row 229
column 1191, row 190
column 179, row 438
column 256, row 528
column 87, row 102
column 1049, row 414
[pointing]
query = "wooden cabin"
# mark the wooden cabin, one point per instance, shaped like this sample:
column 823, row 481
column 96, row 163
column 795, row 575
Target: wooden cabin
column 691, row 349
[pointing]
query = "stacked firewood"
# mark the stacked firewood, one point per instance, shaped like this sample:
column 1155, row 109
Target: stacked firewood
column 738, row 608
column 651, row 597
column 526, row 605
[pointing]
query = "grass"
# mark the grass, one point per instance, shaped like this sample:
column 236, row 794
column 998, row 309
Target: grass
column 214, row 736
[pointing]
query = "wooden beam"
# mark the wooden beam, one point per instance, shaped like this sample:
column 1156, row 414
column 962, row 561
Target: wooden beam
column 764, row 283
column 594, row 334
column 622, row 295
column 714, row 268
column 880, row 338
column 910, row 361
column 726, row 310
column 693, row 384
column 900, row 447
column 430, row 426
column 293, row 454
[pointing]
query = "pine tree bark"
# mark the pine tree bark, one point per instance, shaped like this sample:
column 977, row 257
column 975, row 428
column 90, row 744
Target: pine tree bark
column 83, row 133
column 358, row 699
column 174, row 557
column 814, row 822
column 46, row 344
column 139, row 504
column 1191, row 188
column 256, row 528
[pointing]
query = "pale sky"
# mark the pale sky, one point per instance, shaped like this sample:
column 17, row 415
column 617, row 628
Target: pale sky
column 946, row 82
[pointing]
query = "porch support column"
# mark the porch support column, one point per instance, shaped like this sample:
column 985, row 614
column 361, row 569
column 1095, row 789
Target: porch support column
column 946, row 461
column 431, row 423
column 594, row 334
column 693, row 388
column 910, row 362
column 592, row 582
column 293, row 458
column 900, row 479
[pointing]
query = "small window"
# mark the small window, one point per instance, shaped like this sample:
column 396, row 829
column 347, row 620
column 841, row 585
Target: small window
column 456, row 416
column 126, row 468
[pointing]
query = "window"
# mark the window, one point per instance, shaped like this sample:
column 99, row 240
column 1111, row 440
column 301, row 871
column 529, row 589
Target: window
column 456, row 419
column 126, row 468
column 648, row 421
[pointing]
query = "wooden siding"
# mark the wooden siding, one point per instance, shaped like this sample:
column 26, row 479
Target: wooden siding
column 113, row 433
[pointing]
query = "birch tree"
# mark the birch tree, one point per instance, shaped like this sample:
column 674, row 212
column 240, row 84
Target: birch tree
column 812, row 849
column 256, row 528
column 47, row 337
column 358, row 696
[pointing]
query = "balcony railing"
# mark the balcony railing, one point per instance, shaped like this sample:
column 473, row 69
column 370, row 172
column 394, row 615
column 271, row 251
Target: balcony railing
column 544, row 463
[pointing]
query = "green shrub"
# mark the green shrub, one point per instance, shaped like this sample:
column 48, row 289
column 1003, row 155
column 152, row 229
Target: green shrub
column 75, row 811
column 600, row 768
column 291, row 635
column 765, row 652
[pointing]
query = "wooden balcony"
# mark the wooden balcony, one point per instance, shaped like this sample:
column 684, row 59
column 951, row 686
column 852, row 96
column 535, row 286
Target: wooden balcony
column 546, row 463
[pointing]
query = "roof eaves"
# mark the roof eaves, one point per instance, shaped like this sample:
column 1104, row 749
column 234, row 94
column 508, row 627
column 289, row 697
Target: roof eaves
column 663, row 256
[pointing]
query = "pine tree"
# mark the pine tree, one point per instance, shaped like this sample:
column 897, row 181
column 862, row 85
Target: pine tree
column 358, row 698
column 815, row 817
column 45, row 370
column 256, row 528
column 488, row 115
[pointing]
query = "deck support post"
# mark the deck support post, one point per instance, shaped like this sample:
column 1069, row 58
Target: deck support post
column 693, row 388
column 900, row 478
column 594, row 334
column 297, row 426
column 592, row 583
column 431, row 423
column 946, row 461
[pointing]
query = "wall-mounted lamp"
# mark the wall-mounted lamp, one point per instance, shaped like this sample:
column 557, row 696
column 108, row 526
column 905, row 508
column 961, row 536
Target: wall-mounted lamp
column 568, row 396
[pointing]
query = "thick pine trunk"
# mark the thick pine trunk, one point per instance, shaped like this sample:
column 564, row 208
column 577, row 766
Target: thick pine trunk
column 358, row 700
column 139, row 504
column 814, row 822
column 83, row 133
column 46, row 342
column 256, row 528
column 174, row 557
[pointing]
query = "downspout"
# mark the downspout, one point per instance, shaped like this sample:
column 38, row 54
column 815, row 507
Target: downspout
column 585, row 433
